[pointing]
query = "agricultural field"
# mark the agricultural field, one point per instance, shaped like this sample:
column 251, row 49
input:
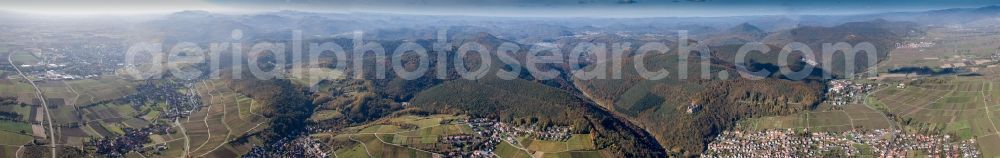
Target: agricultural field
column 207, row 132
column 849, row 118
column 578, row 142
column 407, row 135
column 225, row 116
column 66, row 97
column 24, row 58
column 15, row 127
column 325, row 115
column 89, row 91
column 10, row 142
column 14, row 133
column 951, row 45
column 962, row 106
column 506, row 150
column 17, row 88
column 24, row 111
column 312, row 76
column 579, row 145
column 394, row 137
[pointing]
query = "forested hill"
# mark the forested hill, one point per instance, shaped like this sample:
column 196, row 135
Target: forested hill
column 660, row 106
column 521, row 101
column 286, row 106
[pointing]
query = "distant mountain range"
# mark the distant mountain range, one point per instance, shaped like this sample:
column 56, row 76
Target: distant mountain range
column 632, row 116
column 278, row 25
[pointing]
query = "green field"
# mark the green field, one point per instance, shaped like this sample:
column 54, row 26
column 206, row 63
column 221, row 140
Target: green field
column 395, row 137
column 580, row 142
column 24, row 58
column 356, row 151
column 379, row 149
column 380, row 129
column 578, row 145
column 103, row 89
column 17, row 88
column 506, row 150
column 64, row 97
column 25, row 111
column 965, row 107
column 15, row 127
column 849, row 118
column 17, row 139
column 104, row 112
column 577, row 154
column 391, row 136
column 312, row 76
column 325, row 115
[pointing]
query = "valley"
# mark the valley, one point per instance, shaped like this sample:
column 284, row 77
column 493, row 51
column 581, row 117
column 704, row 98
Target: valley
column 400, row 85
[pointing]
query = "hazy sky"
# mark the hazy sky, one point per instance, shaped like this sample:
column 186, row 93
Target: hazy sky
column 542, row 8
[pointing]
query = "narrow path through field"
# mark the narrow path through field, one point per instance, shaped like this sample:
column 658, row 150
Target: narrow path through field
column 38, row 93
column 518, row 147
column 229, row 131
column 17, row 154
column 986, row 104
column 187, row 140
column 362, row 144
column 350, row 136
column 208, row 113
column 869, row 96
column 929, row 103
column 140, row 154
column 75, row 99
column 849, row 118
column 393, row 144
column 807, row 121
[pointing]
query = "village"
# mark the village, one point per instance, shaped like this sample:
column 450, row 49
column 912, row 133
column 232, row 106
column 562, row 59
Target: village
column 132, row 140
column 491, row 132
column 843, row 92
column 878, row 143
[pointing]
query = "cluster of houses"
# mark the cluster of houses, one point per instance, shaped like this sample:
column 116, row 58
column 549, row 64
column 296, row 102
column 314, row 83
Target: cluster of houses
column 495, row 131
column 303, row 147
column 178, row 104
column 132, row 140
column 843, row 92
column 915, row 45
column 877, row 143
column 895, row 143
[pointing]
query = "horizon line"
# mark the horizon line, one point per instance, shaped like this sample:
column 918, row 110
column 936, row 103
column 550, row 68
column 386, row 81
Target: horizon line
column 376, row 12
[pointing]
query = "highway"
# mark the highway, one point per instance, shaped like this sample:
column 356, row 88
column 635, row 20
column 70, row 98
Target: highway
column 45, row 106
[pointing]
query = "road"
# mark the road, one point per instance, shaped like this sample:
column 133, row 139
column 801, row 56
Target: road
column 45, row 106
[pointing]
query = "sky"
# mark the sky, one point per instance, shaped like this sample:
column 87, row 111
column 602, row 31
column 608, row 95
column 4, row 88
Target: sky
column 507, row 8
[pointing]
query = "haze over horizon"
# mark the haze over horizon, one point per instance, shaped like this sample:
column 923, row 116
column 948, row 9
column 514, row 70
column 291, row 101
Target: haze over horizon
column 556, row 8
column 499, row 78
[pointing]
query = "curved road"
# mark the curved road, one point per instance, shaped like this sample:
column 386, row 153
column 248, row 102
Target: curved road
column 45, row 107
